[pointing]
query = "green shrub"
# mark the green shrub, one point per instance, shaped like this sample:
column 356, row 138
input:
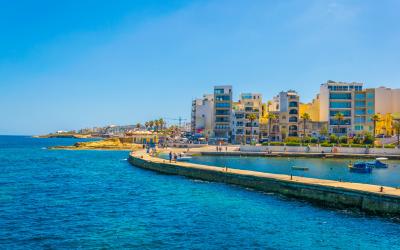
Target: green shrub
column 357, row 145
column 326, row 144
column 314, row 140
column 389, row 146
column 333, row 139
column 276, row 143
column 343, row 139
column 345, row 145
column 293, row 144
column 293, row 139
column 368, row 138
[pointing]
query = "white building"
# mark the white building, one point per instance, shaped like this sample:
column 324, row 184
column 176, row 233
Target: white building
column 202, row 116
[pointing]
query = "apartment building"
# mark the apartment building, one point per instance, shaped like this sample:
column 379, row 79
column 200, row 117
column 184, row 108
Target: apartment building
column 339, row 97
column 202, row 116
column 245, row 129
column 222, row 115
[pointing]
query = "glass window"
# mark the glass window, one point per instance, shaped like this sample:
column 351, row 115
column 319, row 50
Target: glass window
column 340, row 104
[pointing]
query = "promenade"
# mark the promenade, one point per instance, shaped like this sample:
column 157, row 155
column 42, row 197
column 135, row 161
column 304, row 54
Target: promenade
column 369, row 198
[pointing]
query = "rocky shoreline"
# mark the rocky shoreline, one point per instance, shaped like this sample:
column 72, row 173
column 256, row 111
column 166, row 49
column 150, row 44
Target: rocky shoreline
column 107, row 144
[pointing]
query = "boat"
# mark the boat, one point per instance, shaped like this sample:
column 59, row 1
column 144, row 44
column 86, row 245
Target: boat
column 360, row 167
column 378, row 163
column 184, row 158
column 300, row 168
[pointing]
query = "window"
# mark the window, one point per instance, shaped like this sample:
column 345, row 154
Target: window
column 219, row 91
column 360, row 104
column 223, row 105
column 370, row 95
column 340, row 104
column 346, row 96
column 223, row 98
column 293, row 119
column 360, row 112
column 293, row 112
column 360, row 96
column 344, row 112
column 293, row 104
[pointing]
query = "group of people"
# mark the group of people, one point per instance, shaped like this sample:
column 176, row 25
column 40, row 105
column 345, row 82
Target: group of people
column 174, row 156
column 219, row 149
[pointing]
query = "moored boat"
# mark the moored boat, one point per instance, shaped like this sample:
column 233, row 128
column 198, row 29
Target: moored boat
column 360, row 167
column 378, row 163
column 300, row 168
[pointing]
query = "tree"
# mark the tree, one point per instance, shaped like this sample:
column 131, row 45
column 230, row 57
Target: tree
column 147, row 125
column 306, row 117
column 375, row 118
column 251, row 118
column 339, row 118
column 271, row 117
column 151, row 124
column 396, row 127
column 138, row 125
column 161, row 122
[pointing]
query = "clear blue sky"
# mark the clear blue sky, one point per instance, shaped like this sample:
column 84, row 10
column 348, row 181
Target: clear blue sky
column 72, row 64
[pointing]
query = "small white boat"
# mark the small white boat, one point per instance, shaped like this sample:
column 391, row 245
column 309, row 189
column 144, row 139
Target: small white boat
column 184, row 158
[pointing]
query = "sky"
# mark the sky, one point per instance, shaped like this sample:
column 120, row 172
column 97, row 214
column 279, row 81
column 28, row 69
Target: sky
column 74, row 64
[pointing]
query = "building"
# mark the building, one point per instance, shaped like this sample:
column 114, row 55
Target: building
column 222, row 116
column 339, row 97
column 289, row 112
column 245, row 129
column 202, row 116
column 358, row 106
column 143, row 137
column 285, row 107
column 311, row 108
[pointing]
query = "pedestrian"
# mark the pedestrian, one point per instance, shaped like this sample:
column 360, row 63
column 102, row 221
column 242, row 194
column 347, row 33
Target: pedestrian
column 170, row 156
column 175, row 157
column 226, row 149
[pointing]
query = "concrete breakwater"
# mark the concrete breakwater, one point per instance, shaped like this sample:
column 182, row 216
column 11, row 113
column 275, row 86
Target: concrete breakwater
column 368, row 198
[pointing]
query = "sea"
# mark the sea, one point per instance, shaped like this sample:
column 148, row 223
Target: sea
column 65, row 199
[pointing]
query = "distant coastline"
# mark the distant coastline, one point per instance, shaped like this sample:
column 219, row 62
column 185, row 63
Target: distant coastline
column 66, row 135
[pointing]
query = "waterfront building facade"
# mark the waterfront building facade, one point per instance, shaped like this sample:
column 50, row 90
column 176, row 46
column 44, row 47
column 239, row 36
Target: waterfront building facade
column 339, row 97
column 222, row 115
column 246, row 118
column 202, row 116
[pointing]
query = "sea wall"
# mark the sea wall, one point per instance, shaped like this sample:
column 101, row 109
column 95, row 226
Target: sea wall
column 341, row 150
column 364, row 197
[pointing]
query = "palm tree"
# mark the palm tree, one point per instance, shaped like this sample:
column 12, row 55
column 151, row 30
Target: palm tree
column 396, row 127
column 156, row 125
column 147, row 125
column 306, row 117
column 151, row 124
column 161, row 122
column 251, row 118
column 271, row 117
column 375, row 118
column 138, row 125
column 339, row 118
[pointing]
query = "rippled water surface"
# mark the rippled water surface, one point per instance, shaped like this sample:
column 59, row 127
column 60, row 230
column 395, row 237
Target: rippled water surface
column 331, row 169
column 95, row 199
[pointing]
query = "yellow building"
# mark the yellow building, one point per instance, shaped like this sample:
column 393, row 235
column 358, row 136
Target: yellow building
column 143, row 137
column 311, row 108
column 384, row 125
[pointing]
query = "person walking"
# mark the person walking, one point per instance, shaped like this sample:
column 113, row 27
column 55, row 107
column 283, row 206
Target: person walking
column 170, row 156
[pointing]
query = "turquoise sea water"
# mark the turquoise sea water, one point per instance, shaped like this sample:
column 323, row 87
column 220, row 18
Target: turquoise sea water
column 95, row 199
column 331, row 169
